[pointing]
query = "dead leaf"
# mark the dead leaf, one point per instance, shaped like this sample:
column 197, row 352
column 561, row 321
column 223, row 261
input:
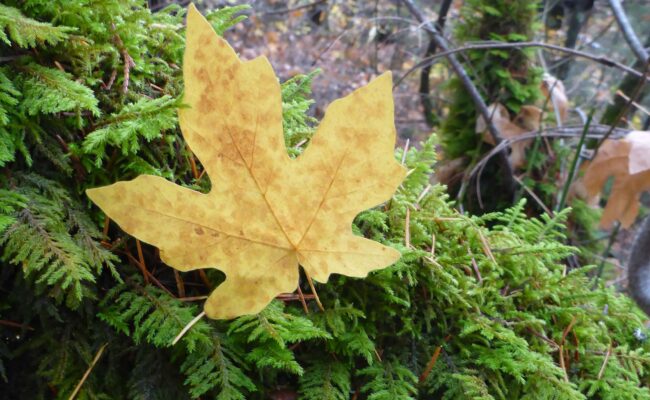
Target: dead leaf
column 578, row 190
column 499, row 115
column 624, row 160
column 639, row 152
column 266, row 213
column 450, row 171
column 559, row 99
column 526, row 121
column 529, row 118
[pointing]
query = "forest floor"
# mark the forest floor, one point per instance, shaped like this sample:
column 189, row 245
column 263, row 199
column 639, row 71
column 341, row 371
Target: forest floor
column 350, row 49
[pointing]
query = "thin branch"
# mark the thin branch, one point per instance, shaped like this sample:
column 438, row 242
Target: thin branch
column 87, row 373
column 328, row 47
column 608, row 249
column 577, row 19
column 188, row 327
column 563, row 364
column 628, row 33
column 430, row 364
column 574, row 164
column 597, row 132
column 204, row 276
column 634, row 97
column 111, row 80
column 469, row 86
column 193, row 298
column 534, row 197
column 296, row 8
column 425, row 99
column 566, row 330
column 602, row 368
column 15, row 325
column 407, row 228
column 146, row 273
column 313, row 291
column 585, row 45
column 12, row 58
column 107, row 223
column 634, row 103
column 142, row 264
column 195, row 171
column 180, row 285
column 294, row 297
column 476, row 269
column 488, row 45
column 128, row 60
column 301, row 296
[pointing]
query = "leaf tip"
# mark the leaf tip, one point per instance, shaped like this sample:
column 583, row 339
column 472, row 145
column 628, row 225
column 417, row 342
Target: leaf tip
column 192, row 11
column 92, row 194
column 196, row 22
column 384, row 80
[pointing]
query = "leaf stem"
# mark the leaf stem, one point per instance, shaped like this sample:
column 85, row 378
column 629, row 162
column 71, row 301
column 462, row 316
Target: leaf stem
column 313, row 290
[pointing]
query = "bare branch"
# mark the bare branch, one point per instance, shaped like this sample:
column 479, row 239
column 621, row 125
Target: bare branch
column 296, row 8
column 595, row 132
column 128, row 60
column 628, row 33
column 635, row 95
column 425, row 99
column 467, row 84
column 501, row 45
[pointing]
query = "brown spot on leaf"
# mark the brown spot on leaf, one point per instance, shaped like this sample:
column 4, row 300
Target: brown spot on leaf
column 288, row 207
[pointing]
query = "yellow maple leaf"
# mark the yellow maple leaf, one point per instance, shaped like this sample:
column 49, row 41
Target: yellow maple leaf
column 265, row 213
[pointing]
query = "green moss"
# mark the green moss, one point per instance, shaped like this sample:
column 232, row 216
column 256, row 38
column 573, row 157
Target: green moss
column 501, row 75
column 490, row 297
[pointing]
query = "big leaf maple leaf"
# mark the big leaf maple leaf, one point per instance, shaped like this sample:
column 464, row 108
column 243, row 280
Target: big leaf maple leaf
column 266, row 213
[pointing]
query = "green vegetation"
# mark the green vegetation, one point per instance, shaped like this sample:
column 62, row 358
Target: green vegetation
column 477, row 307
column 502, row 76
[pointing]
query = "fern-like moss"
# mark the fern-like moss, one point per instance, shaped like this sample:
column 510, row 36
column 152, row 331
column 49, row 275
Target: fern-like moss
column 27, row 32
column 326, row 381
column 48, row 90
column 145, row 119
column 477, row 307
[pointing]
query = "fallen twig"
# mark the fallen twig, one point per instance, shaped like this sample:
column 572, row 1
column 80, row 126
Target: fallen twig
column 15, row 324
column 602, row 368
column 188, row 327
column 87, row 373
column 128, row 60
